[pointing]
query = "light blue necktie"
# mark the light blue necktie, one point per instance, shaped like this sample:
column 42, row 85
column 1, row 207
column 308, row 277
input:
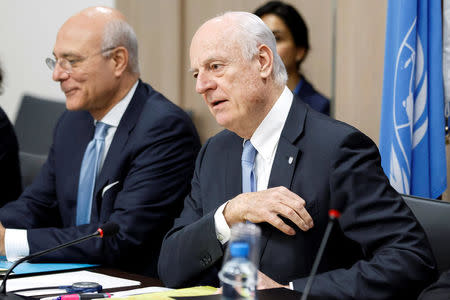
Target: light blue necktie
column 88, row 173
column 248, row 164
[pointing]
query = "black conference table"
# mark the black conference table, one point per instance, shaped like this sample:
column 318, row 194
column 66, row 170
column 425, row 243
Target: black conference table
column 269, row 294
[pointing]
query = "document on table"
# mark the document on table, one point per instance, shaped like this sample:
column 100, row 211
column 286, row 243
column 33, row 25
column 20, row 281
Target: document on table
column 128, row 293
column 61, row 279
column 27, row 268
column 168, row 295
column 146, row 290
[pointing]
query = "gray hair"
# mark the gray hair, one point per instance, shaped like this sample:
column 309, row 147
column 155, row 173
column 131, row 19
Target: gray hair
column 253, row 32
column 120, row 33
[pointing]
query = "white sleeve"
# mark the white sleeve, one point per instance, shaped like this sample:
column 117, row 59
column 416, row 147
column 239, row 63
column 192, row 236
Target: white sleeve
column 223, row 231
column 16, row 244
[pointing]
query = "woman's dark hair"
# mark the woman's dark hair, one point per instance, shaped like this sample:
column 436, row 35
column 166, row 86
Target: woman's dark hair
column 291, row 18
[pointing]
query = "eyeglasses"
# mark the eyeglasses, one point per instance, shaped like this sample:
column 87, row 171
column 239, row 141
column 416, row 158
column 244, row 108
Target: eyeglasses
column 67, row 64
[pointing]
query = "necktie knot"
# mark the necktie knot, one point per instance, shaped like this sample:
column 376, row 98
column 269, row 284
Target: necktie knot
column 249, row 153
column 100, row 130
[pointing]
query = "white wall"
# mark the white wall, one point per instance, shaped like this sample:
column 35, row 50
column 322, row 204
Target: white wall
column 27, row 33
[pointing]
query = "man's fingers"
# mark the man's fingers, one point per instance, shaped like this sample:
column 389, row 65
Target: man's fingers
column 292, row 215
column 296, row 212
column 265, row 282
column 268, row 206
column 276, row 222
column 306, row 217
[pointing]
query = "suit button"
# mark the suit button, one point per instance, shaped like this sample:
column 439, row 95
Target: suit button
column 206, row 260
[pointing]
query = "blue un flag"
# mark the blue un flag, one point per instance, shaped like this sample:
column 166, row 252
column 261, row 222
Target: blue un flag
column 412, row 135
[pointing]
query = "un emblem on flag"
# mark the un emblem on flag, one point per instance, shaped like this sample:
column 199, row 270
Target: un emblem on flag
column 410, row 117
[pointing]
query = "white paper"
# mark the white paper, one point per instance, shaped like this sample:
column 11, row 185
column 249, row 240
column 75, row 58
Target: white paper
column 146, row 290
column 67, row 278
column 121, row 294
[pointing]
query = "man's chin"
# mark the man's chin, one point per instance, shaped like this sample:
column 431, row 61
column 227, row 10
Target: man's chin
column 73, row 104
column 222, row 120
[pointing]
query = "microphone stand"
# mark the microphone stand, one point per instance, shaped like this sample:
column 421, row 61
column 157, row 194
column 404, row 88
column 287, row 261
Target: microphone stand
column 333, row 214
column 108, row 229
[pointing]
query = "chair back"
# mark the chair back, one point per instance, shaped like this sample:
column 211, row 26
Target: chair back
column 35, row 122
column 34, row 126
column 434, row 216
column 30, row 166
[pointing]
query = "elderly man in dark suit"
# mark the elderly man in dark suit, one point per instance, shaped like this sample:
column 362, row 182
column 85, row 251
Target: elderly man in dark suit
column 134, row 170
column 304, row 163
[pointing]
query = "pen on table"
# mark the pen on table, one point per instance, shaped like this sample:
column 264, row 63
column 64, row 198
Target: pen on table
column 84, row 296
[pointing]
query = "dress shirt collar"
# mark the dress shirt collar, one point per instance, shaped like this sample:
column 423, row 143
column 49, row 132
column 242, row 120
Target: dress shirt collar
column 266, row 136
column 114, row 116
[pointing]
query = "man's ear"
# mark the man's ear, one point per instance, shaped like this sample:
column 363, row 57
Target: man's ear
column 265, row 58
column 119, row 57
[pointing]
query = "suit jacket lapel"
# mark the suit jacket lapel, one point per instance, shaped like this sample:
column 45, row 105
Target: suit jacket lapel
column 286, row 157
column 126, row 125
column 288, row 153
column 83, row 134
column 233, row 177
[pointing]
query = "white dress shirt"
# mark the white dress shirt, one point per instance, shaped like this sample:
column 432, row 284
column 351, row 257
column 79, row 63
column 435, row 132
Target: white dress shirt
column 16, row 241
column 265, row 140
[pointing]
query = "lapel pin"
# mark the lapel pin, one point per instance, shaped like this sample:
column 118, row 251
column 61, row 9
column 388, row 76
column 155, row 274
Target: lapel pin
column 290, row 160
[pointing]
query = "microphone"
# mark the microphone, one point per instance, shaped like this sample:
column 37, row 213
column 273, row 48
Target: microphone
column 107, row 230
column 333, row 214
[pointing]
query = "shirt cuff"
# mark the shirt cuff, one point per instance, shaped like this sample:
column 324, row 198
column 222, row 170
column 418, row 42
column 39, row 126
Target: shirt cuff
column 291, row 285
column 223, row 232
column 16, row 244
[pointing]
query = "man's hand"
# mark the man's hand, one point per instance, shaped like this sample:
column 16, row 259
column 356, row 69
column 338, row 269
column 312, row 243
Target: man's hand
column 2, row 240
column 264, row 282
column 267, row 206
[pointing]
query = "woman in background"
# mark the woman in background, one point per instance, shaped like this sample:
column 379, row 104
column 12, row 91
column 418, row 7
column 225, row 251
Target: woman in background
column 10, row 180
column 291, row 35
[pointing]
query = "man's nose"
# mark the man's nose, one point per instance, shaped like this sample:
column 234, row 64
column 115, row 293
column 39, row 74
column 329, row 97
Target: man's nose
column 59, row 73
column 204, row 83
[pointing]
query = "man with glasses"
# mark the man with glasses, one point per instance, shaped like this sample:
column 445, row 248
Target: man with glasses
column 121, row 153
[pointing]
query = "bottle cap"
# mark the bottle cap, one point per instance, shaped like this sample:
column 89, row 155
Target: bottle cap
column 239, row 249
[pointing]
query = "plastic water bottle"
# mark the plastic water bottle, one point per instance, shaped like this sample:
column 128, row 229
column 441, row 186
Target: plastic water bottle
column 238, row 274
column 249, row 233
